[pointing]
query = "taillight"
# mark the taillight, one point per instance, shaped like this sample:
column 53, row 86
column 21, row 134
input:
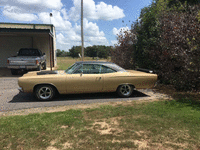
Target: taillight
column 8, row 61
column 37, row 62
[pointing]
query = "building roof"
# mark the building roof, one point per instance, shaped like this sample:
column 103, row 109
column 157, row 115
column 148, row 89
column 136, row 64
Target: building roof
column 26, row 24
column 25, row 27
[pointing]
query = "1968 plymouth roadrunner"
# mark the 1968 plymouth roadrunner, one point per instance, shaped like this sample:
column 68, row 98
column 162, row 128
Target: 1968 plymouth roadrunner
column 85, row 77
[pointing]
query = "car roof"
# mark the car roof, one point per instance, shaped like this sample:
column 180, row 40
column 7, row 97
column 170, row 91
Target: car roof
column 108, row 64
column 93, row 62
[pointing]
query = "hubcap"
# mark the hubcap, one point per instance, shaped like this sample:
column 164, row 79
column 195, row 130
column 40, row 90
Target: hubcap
column 44, row 92
column 125, row 90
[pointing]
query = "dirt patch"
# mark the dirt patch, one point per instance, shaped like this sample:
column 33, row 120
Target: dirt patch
column 51, row 148
column 103, row 127
column 142, row 144
column 66, row 145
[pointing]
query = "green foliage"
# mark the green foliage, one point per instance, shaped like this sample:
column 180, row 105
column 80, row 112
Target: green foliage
column 198, row 16
column 100, row 51
column 62, row 53
column 75, row 51
column 148, row 31
column 168, row 37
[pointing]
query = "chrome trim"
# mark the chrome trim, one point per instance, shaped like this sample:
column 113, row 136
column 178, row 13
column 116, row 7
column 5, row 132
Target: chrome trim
column 26, row 67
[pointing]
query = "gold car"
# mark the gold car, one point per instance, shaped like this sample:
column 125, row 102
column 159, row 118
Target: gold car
column 85, row 77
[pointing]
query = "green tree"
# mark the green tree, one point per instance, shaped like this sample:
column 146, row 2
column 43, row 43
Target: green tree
column 62, row 53
column 74, row 51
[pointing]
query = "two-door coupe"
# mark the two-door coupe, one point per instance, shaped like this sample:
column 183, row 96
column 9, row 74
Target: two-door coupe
column 85, row 77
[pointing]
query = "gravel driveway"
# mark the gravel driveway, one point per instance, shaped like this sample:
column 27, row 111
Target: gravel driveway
column 11, row 100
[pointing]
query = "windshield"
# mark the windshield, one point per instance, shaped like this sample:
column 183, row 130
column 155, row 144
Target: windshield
column 71, row 68
column 28, row 52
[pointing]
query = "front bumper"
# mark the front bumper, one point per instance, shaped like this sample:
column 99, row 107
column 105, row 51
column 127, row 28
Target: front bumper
column 23, row 67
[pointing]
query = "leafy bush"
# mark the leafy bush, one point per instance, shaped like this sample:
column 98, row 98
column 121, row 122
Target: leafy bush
column 168, row 40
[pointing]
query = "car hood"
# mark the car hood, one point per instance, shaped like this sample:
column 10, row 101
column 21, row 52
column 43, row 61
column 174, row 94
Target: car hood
column 46, row 72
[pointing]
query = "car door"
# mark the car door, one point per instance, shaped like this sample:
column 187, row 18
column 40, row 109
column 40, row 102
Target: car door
column 111, row 79
column 86, row 79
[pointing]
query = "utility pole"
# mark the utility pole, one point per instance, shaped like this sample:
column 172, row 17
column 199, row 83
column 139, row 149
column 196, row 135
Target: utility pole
column 82, row 39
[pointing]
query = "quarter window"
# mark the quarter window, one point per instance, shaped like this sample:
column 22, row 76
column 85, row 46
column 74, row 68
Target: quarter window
column 105, row 69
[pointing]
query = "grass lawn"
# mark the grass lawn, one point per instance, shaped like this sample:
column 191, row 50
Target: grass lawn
column 64, row 62
column 133, row 125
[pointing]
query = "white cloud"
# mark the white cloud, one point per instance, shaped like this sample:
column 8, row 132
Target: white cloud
column 15, row 13
column 33, row 6
column 67, row 34
column 114, row 42
column 91, row 11
column 72, row 37
column 120, row 30
column 57, row 20
column 26, row 10
column 90, row 29
column 108, row 12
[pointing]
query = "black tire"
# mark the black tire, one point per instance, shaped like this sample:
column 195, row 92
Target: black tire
column 44, row 66
column 45, row 92
column 125, row 90
column 14, row 71
column 39, row 68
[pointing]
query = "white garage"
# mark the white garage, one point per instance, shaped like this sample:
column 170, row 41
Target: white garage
column 14, row 36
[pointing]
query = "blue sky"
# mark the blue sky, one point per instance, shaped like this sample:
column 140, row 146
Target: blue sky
column 102, row 18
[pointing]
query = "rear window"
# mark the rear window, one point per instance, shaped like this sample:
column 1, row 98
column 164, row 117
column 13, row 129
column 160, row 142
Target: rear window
column 28, row 52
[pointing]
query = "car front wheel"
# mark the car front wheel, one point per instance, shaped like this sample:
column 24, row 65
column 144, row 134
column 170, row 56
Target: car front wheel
column 125, row 90
column 45, row 92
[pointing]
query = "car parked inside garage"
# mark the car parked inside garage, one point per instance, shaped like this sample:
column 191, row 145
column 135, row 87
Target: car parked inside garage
column 27, row 59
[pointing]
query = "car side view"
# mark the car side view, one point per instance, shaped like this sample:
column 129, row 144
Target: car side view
column 85, row 77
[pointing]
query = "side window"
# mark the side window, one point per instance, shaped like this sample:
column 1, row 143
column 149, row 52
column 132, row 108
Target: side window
column 105, row 69
column 96, row 69
column 85, row 69
column 78, row 69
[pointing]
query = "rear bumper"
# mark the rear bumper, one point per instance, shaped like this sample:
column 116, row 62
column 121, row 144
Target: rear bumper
column 23, row 67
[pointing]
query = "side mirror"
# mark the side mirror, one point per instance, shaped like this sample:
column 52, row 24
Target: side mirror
column 43, row 53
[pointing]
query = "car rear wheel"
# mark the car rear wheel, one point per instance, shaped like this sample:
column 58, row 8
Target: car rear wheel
column 125, row 90
column 45, row 92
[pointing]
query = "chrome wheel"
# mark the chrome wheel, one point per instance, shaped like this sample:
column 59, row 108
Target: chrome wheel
column 125, row 90
column 44, row 92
